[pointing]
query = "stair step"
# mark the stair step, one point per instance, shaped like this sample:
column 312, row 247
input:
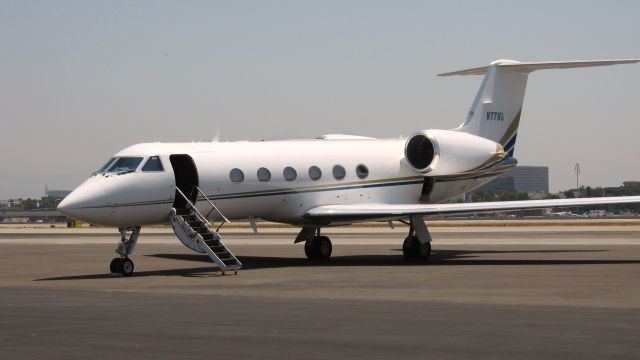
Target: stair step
column 229, row 261
column 196, row 229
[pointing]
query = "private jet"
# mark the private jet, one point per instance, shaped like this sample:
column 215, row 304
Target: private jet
column 329, row 181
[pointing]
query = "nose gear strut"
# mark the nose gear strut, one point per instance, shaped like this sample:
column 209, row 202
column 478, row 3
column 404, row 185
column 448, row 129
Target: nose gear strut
column 128, row 240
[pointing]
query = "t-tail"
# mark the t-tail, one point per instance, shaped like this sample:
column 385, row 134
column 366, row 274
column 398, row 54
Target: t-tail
column 496, row 110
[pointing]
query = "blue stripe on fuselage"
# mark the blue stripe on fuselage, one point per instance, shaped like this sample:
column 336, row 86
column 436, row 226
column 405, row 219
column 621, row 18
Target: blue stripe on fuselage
column 289, row 192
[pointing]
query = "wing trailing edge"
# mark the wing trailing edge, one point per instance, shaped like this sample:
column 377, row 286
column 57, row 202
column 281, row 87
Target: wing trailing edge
column 374, row 211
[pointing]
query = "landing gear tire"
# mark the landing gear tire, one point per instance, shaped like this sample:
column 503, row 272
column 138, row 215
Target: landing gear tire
column 413, row 250
column 318, row 248
column 128, row 241
column 126, row 267
column 324, row 247
column 308, row 248
column 115, row 265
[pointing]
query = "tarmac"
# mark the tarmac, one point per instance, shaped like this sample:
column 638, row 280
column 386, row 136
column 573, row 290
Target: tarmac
column 488, row 292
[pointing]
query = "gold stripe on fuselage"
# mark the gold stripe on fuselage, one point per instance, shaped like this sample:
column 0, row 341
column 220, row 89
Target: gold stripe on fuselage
column 318, row 187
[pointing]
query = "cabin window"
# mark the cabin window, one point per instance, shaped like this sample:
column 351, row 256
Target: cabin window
column 153, row 164
column 126, row 164
column 362, row 171
column 264, row 174
column 315, row 173
column 236, row 175
column 289, row 173
column 339, row 172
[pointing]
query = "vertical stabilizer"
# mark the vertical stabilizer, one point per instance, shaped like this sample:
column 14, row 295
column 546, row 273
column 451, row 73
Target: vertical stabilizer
column 495, row 113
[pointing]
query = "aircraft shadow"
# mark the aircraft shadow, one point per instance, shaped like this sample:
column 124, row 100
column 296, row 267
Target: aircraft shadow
column 438, row 258
column 205, row 271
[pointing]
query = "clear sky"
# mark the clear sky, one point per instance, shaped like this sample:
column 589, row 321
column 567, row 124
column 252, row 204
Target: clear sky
column 79, row 80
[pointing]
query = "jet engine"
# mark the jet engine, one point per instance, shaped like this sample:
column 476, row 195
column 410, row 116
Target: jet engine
column 449, row 152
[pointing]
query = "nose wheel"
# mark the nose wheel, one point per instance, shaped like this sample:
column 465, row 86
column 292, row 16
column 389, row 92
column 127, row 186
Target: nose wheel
column 122, row 266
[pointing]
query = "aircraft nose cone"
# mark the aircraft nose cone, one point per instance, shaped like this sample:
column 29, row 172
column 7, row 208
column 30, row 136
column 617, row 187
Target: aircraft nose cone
column 64, row 204
column 80, row 202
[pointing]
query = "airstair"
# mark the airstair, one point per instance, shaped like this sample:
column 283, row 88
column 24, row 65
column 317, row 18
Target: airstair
column 197, row 233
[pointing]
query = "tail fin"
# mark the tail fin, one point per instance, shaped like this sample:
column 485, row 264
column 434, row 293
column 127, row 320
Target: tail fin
column 495, row 113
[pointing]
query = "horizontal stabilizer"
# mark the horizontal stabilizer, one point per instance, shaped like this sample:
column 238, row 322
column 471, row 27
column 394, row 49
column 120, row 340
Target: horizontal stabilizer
column 527, row 67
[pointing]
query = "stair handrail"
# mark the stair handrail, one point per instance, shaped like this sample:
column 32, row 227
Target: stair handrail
column 204, row 219
column 224, row 218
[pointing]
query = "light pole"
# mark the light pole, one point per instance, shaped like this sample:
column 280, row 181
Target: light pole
column 576, row 169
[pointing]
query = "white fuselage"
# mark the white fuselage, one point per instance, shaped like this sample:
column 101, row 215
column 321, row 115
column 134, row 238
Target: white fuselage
column 146, row 197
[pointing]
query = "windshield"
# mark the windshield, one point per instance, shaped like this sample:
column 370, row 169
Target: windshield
column 105, row 166
column 124, row 164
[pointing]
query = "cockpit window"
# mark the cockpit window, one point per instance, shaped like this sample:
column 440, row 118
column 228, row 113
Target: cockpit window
column 106, row 166
column 126, row 164
column 153, row 164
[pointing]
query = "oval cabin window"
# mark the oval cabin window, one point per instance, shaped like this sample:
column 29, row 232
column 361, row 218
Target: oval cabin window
column 362, row 171
column 264, row 174
column 339, row 172
column 289, row 173
column 236, row 175
column 315, row 173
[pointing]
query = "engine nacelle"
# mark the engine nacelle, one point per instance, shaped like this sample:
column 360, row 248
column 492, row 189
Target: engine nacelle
column 448, row 152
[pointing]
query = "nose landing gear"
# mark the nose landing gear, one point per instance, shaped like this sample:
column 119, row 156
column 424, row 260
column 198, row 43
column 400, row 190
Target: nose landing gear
column 123, row 265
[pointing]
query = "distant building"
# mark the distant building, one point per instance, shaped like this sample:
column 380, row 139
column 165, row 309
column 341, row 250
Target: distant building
column 58, row 194
column 634, row 186
column 526, row 179
column 631, row 184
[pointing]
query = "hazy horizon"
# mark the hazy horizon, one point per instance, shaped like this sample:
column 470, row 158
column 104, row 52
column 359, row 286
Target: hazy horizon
column 82, row 80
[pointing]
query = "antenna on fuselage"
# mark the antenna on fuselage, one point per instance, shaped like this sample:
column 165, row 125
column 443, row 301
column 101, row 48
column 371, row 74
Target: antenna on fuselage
column 216, row 136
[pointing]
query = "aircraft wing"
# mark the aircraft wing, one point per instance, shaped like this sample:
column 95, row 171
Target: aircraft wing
column 397, row 211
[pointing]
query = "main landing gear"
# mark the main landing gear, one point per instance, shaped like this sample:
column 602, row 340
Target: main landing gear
column 417, row 246
column 413, row 250
column 123, row 265
column 316, row 246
